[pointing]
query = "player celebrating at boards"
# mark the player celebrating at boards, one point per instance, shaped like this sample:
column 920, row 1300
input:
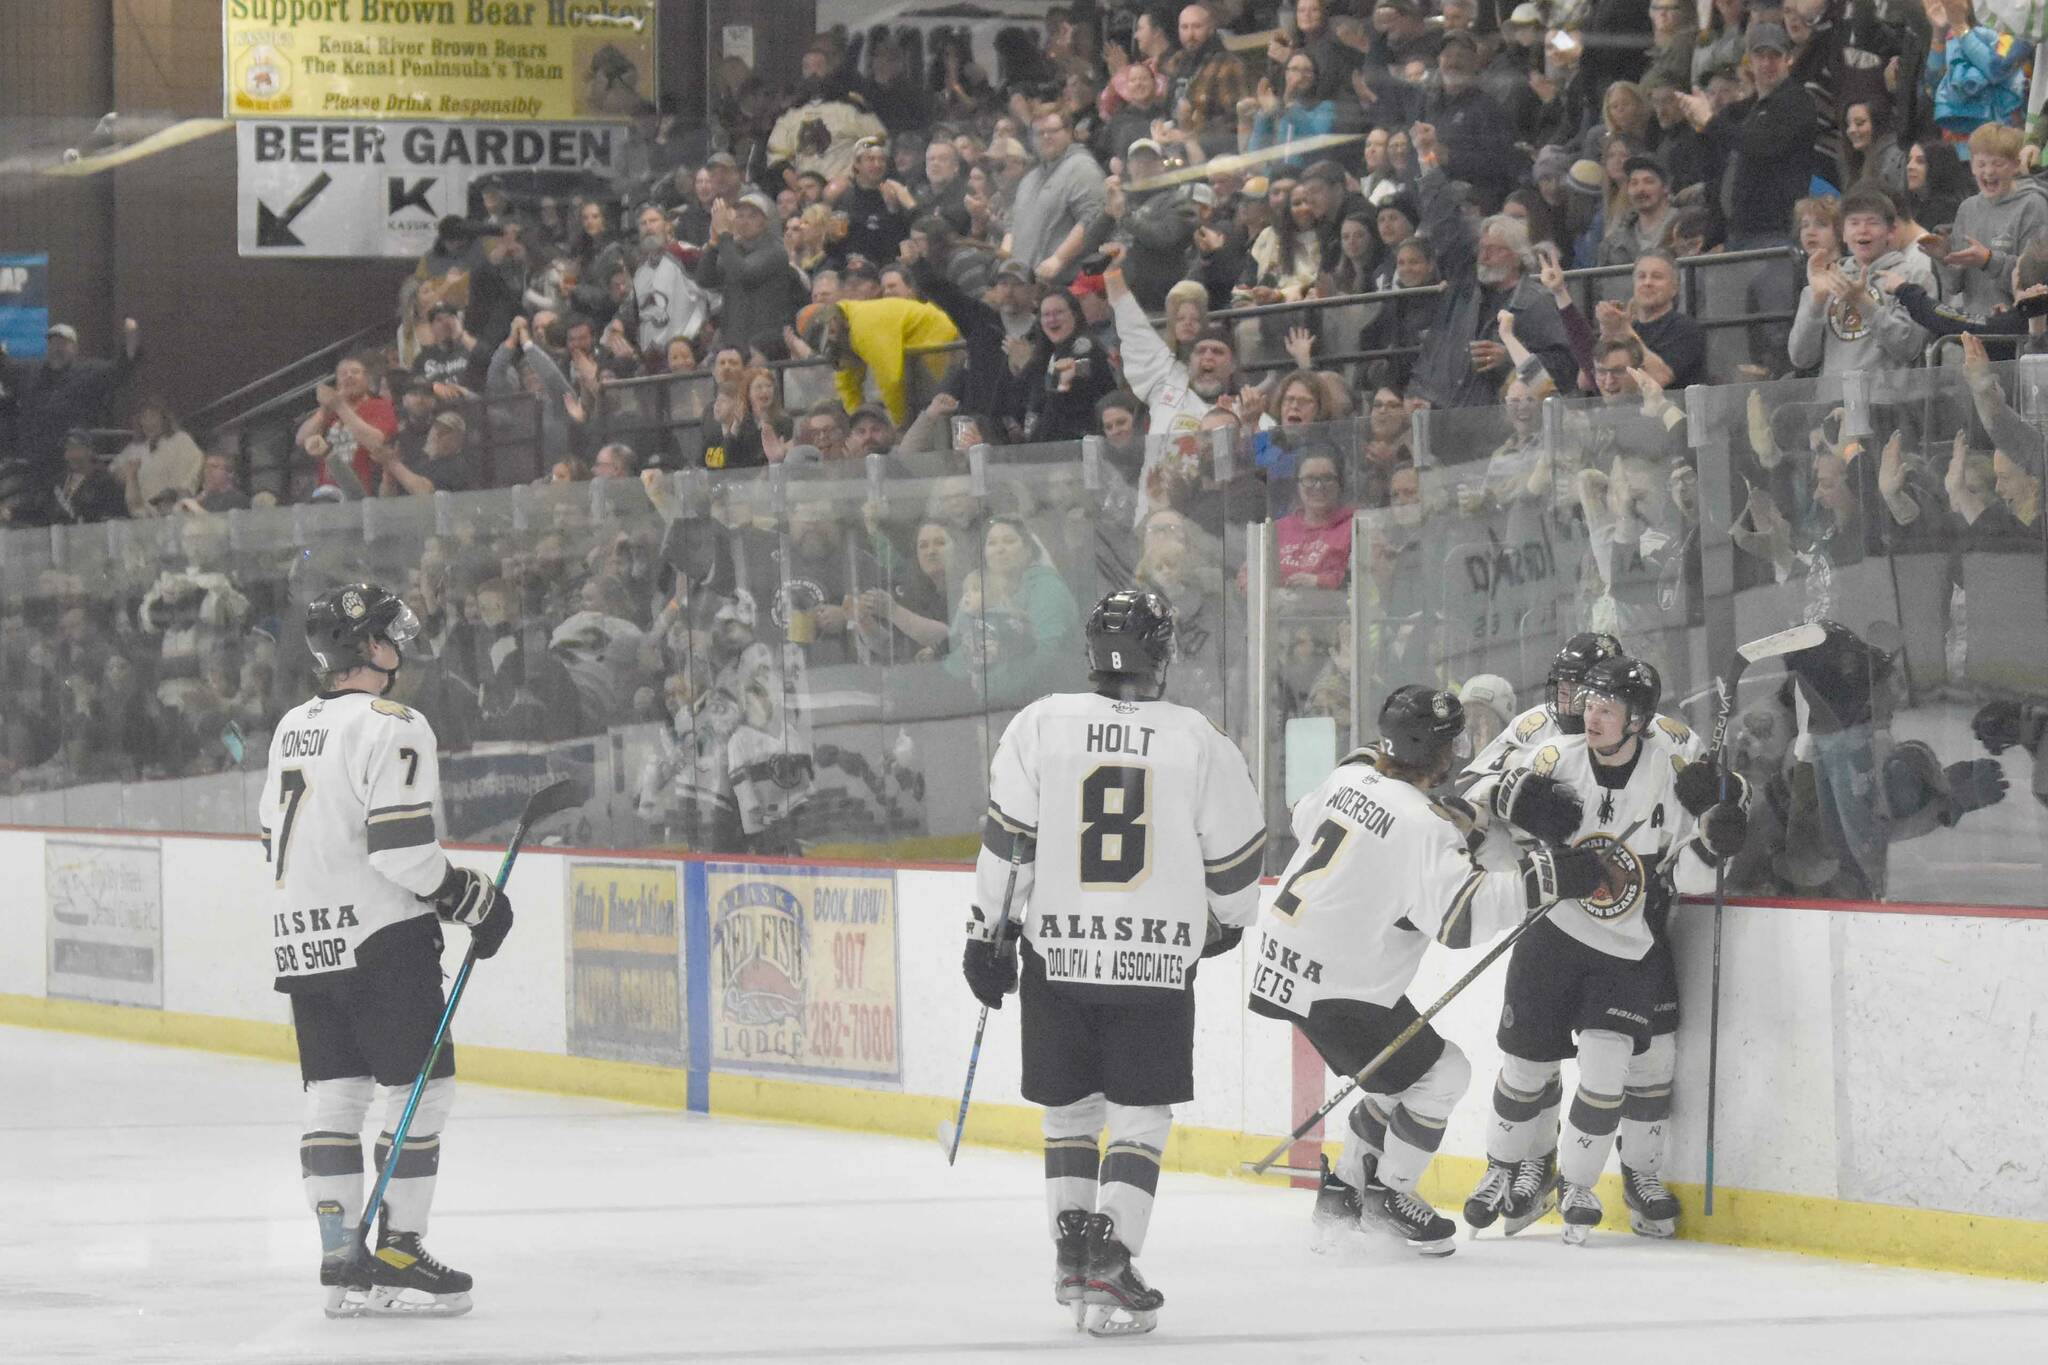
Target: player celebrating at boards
column 1381, row 870
column 1557, row 714
column 1153, row 832
column 1601, row 966
column 362, row 885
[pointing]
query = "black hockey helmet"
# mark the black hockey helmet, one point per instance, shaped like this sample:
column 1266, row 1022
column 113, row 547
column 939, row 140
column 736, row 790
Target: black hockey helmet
column 341, row 623
column 1573, row 658
column 1631, row 682
column 1420, row 725
column 1131, row 638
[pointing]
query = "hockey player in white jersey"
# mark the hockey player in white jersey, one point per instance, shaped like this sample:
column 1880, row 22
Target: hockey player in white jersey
column 1135, row 834
column 1600, row 967
column 347, row 819
column 1557, row 714
column 1381, row 872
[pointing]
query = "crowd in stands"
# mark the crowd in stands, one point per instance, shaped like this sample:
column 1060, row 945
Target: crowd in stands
column 906, row 256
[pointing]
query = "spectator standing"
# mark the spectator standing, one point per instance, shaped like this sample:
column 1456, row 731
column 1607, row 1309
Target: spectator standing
column 62, row 393
column 1296, row 111
column 746, row 263
column 1463, row 362
column 1209, row 78
column 449, row 363
column 521, row 364
column 1763, row 145
column 1157, row 227
column 1647, row 221
column 1845, row 320
column 666, row 300
column 1055, row 384
column 1993, row 225
column 1674, row 347
column 1178, row 394
column 1310, row 34
column 161, row 465
column 877, row 208
column 1145, row 105
column 866, row 339
column 1974, row 74
column 345, row 432
column 1474, row 140
column 1056, row 202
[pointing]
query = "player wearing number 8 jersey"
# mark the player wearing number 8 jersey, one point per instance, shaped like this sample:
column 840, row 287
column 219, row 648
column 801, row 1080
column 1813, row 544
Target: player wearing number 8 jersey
column 1134, row 833
column 1382, row 871
column 347, row 818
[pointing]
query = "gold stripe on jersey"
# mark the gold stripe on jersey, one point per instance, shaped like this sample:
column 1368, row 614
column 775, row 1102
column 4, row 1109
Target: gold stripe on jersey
column 1456, row 930
column 1235, row 871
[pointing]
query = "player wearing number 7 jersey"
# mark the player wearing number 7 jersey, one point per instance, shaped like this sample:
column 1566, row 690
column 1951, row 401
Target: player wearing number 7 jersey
column 1382, row 871
column 362, row 884
column 1134, row 833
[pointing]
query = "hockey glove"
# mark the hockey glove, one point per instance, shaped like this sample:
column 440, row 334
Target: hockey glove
column 1974, row 784
column 1724, row 829
column 1699, row 786
column 990, row 969
column 489, row 936
column 1538, row 805
column 465, row 897
column 1558, row 874
column 1221, row 938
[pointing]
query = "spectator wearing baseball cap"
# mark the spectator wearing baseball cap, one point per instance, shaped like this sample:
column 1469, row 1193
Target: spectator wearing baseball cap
column 62, row 392
column 748, row 264
column 1646, row 185
column 1761, row 147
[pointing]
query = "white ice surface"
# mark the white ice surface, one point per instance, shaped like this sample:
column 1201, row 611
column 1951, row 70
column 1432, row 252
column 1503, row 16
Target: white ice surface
column 150, row 1211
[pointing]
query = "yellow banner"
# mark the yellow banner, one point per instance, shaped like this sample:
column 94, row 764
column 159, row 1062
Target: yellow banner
column 803, row 970
column 471, row 60
column 625, row 963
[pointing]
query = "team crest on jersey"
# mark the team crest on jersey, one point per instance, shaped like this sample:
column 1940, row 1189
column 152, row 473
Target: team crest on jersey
column 1530, row 725
column 1440, row 707
column 385, row 707
column 1124, row 708
column 352, row 605
column 1624, row 868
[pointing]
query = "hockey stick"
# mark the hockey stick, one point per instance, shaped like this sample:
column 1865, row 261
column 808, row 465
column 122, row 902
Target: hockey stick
column 1719, row 753
column 949, row 1133
column 1407, row 1035
column 552, row 799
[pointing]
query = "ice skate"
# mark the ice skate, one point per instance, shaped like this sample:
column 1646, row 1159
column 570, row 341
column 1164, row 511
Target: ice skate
column 407, row 1282
column 344, row 1278
column 1414, row 1222
column 1581, row 1210
column 1490, row 1197
column 1336, row 1211
column 1070, row 1265
column 1534, row 1193
column 1652, row 1209
column 1119, row 1302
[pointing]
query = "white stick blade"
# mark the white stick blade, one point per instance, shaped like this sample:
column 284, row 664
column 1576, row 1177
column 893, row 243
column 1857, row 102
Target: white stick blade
column 1784, row 642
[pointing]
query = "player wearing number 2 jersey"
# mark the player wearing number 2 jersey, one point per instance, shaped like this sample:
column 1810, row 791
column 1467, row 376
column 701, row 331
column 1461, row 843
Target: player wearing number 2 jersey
column 1134, row 834
column 1382, row 871
column 347, row 816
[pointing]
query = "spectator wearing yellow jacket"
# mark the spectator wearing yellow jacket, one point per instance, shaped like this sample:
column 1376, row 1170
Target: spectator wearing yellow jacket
column 870, row 336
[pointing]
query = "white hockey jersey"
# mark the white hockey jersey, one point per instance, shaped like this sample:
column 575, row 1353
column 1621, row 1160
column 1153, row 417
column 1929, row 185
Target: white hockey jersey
column 1532, row 729
column 1622, row 925
column 1380, row 872
column 1131, row 823
column 347, row 818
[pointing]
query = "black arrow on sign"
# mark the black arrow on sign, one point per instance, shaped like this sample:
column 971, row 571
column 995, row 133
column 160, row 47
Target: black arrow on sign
column 413, row 195
column 275, row 229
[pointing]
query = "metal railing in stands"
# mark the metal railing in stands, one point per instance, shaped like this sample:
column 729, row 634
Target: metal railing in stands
column 223, row 412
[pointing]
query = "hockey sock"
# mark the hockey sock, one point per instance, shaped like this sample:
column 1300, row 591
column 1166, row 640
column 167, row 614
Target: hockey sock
column 1365, row 1136
column 1130, row 1168
column 1073, row 1137
column 331, row 1148
column 410, row 1195
column 1646, row 1104
column 1526, row 1096
column 1415, row 1127
column 1596, row 1107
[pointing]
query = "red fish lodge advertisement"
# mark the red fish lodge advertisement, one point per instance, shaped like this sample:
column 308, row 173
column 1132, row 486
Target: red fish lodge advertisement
column 625, row 963
column 803, row 970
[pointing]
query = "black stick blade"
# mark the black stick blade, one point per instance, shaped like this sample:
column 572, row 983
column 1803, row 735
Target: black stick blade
column 553, row 799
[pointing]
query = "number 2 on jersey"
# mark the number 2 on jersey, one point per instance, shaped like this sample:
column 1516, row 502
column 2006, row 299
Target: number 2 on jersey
column 1116, row 848
column 291, row 789
column 1329, row 837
